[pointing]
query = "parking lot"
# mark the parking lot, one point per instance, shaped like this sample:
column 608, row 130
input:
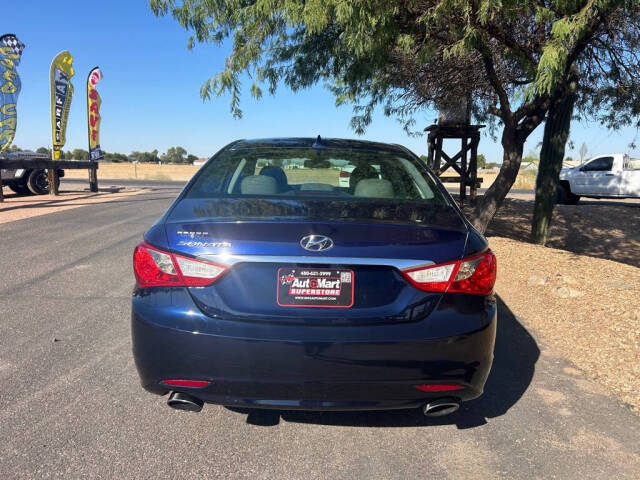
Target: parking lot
column 71, row 405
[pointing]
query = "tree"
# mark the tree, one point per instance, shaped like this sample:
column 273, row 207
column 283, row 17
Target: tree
column 191, row 158
column 115, row 157
column 556, row 133
column 482, row 161
column 175, row 155
column 600, row 81
column 146, row 157
column 44, row 150
column 80, row 154
column 531, row 157
column 513, row 57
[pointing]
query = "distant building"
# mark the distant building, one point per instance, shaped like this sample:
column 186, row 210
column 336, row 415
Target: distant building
column 200, row 161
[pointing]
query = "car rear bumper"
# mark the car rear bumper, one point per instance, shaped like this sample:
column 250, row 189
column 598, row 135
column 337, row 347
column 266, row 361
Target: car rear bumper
column 295, row 368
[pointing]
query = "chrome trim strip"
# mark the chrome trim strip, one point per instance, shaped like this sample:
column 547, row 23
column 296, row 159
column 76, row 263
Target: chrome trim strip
column 229, row 260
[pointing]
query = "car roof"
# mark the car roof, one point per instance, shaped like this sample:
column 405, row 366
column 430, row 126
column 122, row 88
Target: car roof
column 308, row 142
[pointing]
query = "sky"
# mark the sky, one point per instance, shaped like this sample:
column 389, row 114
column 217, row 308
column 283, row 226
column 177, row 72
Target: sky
column 150, row 90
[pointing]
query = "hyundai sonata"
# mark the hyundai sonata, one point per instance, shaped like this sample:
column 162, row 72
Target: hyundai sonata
column 269, row 283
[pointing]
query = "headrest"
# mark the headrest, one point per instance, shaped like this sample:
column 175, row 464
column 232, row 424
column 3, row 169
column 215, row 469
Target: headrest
column 318, row 187
column 277, row 174
column 361, row 172
column 374, row 188
column 259, row 185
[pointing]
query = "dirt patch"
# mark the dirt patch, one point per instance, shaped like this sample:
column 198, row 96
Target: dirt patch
column 139, row 171
column 525, row 180
column 603, row 229
column 147, row 171
column 582, row 291
column 17, row 207
column 586, row 308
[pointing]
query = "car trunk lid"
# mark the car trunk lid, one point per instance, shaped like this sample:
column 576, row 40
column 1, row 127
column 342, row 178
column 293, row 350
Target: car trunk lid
column 372, row 244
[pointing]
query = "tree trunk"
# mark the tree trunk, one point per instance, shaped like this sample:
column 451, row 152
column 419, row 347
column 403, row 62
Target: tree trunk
column 489, row 203
column 556, row 133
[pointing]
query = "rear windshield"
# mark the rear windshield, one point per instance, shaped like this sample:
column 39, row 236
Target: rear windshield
column 307, row 173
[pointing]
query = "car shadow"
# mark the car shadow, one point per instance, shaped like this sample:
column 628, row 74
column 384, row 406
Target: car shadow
column 516, row 354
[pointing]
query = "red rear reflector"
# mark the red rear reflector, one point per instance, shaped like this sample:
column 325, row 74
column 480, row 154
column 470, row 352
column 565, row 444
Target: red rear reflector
column 187, row 383
column 344, row 174
column 439, row 387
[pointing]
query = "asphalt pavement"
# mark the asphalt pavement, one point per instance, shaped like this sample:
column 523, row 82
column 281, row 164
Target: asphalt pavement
column 71, row 405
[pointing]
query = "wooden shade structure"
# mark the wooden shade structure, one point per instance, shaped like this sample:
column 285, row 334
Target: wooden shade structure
column 464, row 162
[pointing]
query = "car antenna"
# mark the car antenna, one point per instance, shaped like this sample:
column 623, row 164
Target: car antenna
column 318, row 143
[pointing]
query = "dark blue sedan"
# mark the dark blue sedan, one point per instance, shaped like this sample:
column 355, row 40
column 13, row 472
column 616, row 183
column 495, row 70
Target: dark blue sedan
column 316, row 274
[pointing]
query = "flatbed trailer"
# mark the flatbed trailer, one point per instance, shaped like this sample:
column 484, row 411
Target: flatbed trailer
column 46, row 163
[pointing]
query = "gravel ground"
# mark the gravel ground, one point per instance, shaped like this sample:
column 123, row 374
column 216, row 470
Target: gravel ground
column 587, row 308
column 599, row 228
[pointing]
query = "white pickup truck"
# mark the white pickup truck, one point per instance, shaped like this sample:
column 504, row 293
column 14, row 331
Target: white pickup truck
column 606, row 176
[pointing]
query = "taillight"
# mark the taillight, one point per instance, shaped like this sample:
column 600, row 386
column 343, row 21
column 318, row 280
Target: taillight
column 344, row 174
column 475, row 275
column 156, row 268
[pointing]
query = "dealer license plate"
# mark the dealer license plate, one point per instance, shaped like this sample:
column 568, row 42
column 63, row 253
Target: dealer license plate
column 313, row 287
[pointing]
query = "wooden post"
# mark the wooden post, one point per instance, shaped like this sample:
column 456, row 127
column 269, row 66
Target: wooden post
column 463, row 167
column 430, row 152
column 52, row 175
column 1, row 187
column 93, row 179
column 438, row 158
column 473, row 168
column 53, row 181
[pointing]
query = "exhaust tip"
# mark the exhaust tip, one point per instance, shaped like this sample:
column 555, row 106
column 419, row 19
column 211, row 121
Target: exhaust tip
column 440, row 407
column 184, row 401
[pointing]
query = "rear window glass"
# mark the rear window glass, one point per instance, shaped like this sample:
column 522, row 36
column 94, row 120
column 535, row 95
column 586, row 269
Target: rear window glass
column 348, row 174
